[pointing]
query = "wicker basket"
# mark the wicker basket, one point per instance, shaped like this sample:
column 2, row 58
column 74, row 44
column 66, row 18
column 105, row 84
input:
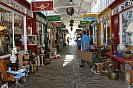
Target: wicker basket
column 104, row 73
column 127, row 56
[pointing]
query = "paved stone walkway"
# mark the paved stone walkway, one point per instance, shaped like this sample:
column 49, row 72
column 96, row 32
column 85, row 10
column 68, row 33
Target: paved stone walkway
column 66, row 73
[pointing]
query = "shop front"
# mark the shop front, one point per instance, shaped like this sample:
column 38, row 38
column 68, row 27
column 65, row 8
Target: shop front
column 13, row 28
column 122, row 17
column 104, row 28
column 15, row 20
column 40, row 29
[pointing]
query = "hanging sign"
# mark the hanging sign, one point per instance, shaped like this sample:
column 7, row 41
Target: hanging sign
column 41, row 6
column 78, row 29
column 83, row 26
column 54, row 18
column 104, row 17
column 90, row 17
column 64, row 30
column 58, row 23
column 64, row 26
column 84, row 22
column 123, row 6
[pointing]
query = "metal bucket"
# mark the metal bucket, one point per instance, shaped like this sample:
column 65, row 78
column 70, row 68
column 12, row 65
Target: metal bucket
column 113, row 75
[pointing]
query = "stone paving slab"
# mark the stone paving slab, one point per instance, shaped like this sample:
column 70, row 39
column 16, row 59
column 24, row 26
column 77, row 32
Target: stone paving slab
column 54, row 75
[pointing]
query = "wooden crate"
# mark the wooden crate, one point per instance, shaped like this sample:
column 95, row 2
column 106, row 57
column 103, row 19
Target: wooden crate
column 84, row 55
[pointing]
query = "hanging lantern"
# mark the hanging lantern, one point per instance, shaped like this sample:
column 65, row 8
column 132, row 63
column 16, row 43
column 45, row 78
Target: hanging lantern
column 70, row 11
column 71, row 28
column 71, row 21
column 71, row 24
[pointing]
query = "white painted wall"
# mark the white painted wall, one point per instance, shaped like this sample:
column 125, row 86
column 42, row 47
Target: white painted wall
column 100, row 5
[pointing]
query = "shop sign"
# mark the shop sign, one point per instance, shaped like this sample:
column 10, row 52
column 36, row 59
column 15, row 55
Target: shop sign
column 29, row 13
column 64, row 30
column 123, row 6
column 54, row 18
column 126, row 4
column 58, row 24
column 37, row 6
column 17, row 6
column 83, row 26
column 90, row 17
column 114, row 11
column 14, row 5
column 64, row 26
column 104, row 17
column 84, row 22
column 78, row 29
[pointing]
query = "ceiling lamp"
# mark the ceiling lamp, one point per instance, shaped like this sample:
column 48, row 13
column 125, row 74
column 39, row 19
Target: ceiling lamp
column 70, row 2
column 70, row 11
column 71, row 24
column 71, row 28
column 71, row 21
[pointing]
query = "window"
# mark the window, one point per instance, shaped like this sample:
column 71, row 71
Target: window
column 95, row 35
column 127, row 17
column 105, row 33
column 8, row 21
column 39, row 32
column 18, row 31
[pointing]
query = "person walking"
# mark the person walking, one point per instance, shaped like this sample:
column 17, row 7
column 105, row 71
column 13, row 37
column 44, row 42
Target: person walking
column 85, row 46
column 68, row 40
column 79, row 43
column 61, row 44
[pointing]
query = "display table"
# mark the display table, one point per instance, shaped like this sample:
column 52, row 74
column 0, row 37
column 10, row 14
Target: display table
column 94, row 49
column 128, row 74
column 121, row 59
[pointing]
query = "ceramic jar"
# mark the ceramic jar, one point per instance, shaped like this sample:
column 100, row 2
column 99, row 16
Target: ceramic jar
column 13, row 57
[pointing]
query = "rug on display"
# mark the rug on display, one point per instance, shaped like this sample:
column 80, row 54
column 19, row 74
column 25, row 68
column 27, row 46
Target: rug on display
column 56, row 57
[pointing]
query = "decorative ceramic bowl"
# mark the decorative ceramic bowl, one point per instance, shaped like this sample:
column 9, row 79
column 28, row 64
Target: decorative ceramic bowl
column 127, row 56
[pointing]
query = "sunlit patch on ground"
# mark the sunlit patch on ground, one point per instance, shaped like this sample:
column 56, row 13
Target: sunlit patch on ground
column 68, row 59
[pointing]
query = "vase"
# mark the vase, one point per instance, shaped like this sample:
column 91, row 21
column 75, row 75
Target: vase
column 13, row 57
column 15, row 49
